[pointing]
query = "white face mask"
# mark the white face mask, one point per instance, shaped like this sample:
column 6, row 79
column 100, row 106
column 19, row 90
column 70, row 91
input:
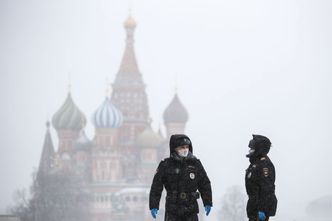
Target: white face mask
column 183, row 152
column 251, row 151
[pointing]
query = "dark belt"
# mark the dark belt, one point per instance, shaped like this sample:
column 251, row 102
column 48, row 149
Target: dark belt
column 183, row 195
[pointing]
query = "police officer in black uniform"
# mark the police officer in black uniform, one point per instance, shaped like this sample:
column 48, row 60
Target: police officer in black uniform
column 260, row 178
column 182, row 174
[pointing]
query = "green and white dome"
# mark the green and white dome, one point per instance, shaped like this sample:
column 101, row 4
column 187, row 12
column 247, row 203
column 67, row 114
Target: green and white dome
column 69, row 117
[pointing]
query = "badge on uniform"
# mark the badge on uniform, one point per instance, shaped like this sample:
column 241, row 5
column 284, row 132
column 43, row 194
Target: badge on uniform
column 186, row 141
column 192, row 176
column 249, row 175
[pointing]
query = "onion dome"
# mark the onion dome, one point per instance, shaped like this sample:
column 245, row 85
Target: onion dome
column 83, row 142
column 69, row 117
column 107, row 115
column 130, row 22
column 149, row 139
column 176, row 112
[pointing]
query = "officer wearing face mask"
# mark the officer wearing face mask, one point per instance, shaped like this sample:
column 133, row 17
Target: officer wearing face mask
column 259, row 180
column 184, row 179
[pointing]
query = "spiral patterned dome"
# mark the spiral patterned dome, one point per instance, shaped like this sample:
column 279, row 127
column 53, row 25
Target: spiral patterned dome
column 149, row 139
column 69, row 117
column 107, row 115
column 176, row 112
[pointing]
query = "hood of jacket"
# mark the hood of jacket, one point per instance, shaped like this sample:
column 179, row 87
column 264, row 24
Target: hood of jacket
column 177, row 140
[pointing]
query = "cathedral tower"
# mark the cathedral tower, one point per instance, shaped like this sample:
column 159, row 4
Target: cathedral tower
column 47, row 158
column 149, row 143
column 106, row 159
column 175, row 117
column 129, row 91
column 68, row 122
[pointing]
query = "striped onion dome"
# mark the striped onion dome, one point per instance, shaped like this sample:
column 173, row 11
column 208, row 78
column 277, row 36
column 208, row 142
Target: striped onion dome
column 176, row 112
column 69, row 117
column 107, row 115
column 149, row 139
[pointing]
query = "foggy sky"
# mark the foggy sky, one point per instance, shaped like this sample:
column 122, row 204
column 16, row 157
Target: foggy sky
column 241, row 67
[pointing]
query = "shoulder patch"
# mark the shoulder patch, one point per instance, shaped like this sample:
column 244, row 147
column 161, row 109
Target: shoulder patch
column 165, row 160
column 163, row 163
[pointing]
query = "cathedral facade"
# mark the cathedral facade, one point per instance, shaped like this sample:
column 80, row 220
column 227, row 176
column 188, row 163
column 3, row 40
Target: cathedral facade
column 118, row 164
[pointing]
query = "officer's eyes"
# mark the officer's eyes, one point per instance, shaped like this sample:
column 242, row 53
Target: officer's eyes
column 183, row 147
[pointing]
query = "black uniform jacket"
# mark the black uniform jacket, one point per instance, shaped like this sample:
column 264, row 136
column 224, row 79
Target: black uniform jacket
column 260, row 178
column 181, row 177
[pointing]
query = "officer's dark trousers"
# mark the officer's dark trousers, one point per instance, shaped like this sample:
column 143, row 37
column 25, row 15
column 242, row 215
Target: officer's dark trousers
column 256, row 219
column 172, row 217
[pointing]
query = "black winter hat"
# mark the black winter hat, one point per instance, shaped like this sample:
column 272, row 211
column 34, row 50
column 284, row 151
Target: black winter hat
column 177, row 140
column 261, row 144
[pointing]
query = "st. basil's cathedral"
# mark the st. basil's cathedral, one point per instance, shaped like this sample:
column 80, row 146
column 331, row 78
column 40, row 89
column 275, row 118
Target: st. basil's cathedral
column 118, row 164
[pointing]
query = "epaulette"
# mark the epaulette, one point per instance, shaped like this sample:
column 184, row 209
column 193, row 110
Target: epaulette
column 165, row 160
